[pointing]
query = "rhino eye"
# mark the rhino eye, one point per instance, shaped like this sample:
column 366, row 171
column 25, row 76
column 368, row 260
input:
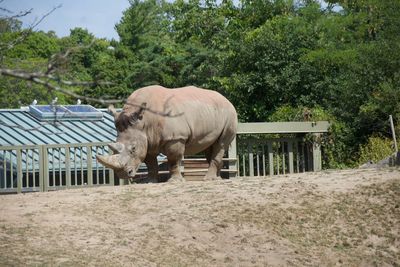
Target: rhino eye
column 132, row 150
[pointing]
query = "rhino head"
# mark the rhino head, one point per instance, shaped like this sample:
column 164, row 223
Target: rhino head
column 131, row 147
column 127, row 156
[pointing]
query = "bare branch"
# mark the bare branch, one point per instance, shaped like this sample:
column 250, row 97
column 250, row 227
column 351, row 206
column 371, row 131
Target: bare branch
column 38, row 79
column 5, row 9
column 70, row 93
column 48, row 80
column 25, row 33
column 21, row 14
column 78, row 83
column 35, row 24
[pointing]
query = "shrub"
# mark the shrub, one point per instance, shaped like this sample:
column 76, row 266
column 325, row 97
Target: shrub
column 376, row 149
column 334, row 143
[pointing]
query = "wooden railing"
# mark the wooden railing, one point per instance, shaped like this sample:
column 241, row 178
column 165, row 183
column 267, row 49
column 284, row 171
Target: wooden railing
column 263, row 157
column 32, row 168
column 259, row 154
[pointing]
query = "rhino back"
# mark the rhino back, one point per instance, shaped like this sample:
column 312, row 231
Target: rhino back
column 197, row 116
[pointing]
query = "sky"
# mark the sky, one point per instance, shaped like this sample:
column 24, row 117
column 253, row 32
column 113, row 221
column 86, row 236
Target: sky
column 98, row 16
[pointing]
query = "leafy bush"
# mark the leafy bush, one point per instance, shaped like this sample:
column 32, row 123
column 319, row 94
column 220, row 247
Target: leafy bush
column 334, row 144
column 376, row 149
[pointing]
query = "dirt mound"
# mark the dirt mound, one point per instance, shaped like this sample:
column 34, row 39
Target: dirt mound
column 348, row 218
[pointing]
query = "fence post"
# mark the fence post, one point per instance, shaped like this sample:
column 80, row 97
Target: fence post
column 89, row 169
column 283, row 158
column 40, row 168
column 397, row 153
column 393, row 133
column 19, row 171
column 45, row 167
column 251, row 158
column 67, row 167
column 316, row 153
column 270, row 158
column 291, row 158
column 232, row 154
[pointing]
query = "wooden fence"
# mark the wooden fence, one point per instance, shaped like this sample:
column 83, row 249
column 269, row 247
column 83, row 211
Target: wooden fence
column 50, row 167
column 276, row 156
column 260, row 151
column 32, row 168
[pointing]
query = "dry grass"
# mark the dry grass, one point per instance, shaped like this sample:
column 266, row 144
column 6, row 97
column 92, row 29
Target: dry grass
column 348, row 218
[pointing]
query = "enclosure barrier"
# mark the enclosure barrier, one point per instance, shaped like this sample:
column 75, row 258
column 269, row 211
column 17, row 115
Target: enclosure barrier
column 273, row 157
column 31, row 168
column 260, row 152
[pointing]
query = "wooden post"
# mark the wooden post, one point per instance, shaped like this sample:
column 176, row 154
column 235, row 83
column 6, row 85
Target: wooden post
column 258, row 159
column 304, row 150
column 244, row 163
column 89, row 167
column 251, row 158
column 397, row 153
column 270, row 158
column 263, row 160
column 291, row 158
column 283, row 158
column 316, row 151
column 232, row 154
column 67, row 167
column 41, row 174
column 45, row 167
column 19, row 171
column 393, row 133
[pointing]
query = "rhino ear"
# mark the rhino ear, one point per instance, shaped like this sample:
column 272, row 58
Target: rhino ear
column 116, row 147
column 139, row 114
column 113, row 111
column 123, row 120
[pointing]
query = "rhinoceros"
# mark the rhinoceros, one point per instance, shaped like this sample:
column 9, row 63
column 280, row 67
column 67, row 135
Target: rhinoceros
column 174, row 122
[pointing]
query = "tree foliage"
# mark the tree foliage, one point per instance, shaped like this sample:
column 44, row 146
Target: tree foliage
column 273, row 59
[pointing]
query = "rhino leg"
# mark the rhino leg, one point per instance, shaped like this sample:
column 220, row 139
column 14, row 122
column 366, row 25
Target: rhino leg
column 174, row 170
column 175, row 150
column 215, row 162
column 152, row 166
column 208, row 153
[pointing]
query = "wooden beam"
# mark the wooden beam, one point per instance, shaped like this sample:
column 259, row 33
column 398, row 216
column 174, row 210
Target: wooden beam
column 283, row 127
column 232, row 158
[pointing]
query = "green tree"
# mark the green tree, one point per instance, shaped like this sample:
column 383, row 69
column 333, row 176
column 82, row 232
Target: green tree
column 357, row 65
column 31, row 54
column 273, row 59
column 264, row 67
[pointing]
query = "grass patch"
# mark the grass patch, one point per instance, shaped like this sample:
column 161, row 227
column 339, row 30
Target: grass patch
column 342, row 226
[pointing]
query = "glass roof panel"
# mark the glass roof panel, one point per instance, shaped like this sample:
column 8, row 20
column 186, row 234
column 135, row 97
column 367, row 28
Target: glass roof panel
column 69, row 112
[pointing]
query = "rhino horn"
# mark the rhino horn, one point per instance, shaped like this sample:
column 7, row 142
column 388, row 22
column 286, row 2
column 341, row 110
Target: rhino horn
column 112, row 161
column 116, row 147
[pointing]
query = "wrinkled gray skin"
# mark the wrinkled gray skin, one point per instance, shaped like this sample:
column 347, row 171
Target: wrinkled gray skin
column 175, row 122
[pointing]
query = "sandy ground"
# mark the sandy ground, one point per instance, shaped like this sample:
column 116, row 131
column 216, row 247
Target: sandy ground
column 344, row 218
